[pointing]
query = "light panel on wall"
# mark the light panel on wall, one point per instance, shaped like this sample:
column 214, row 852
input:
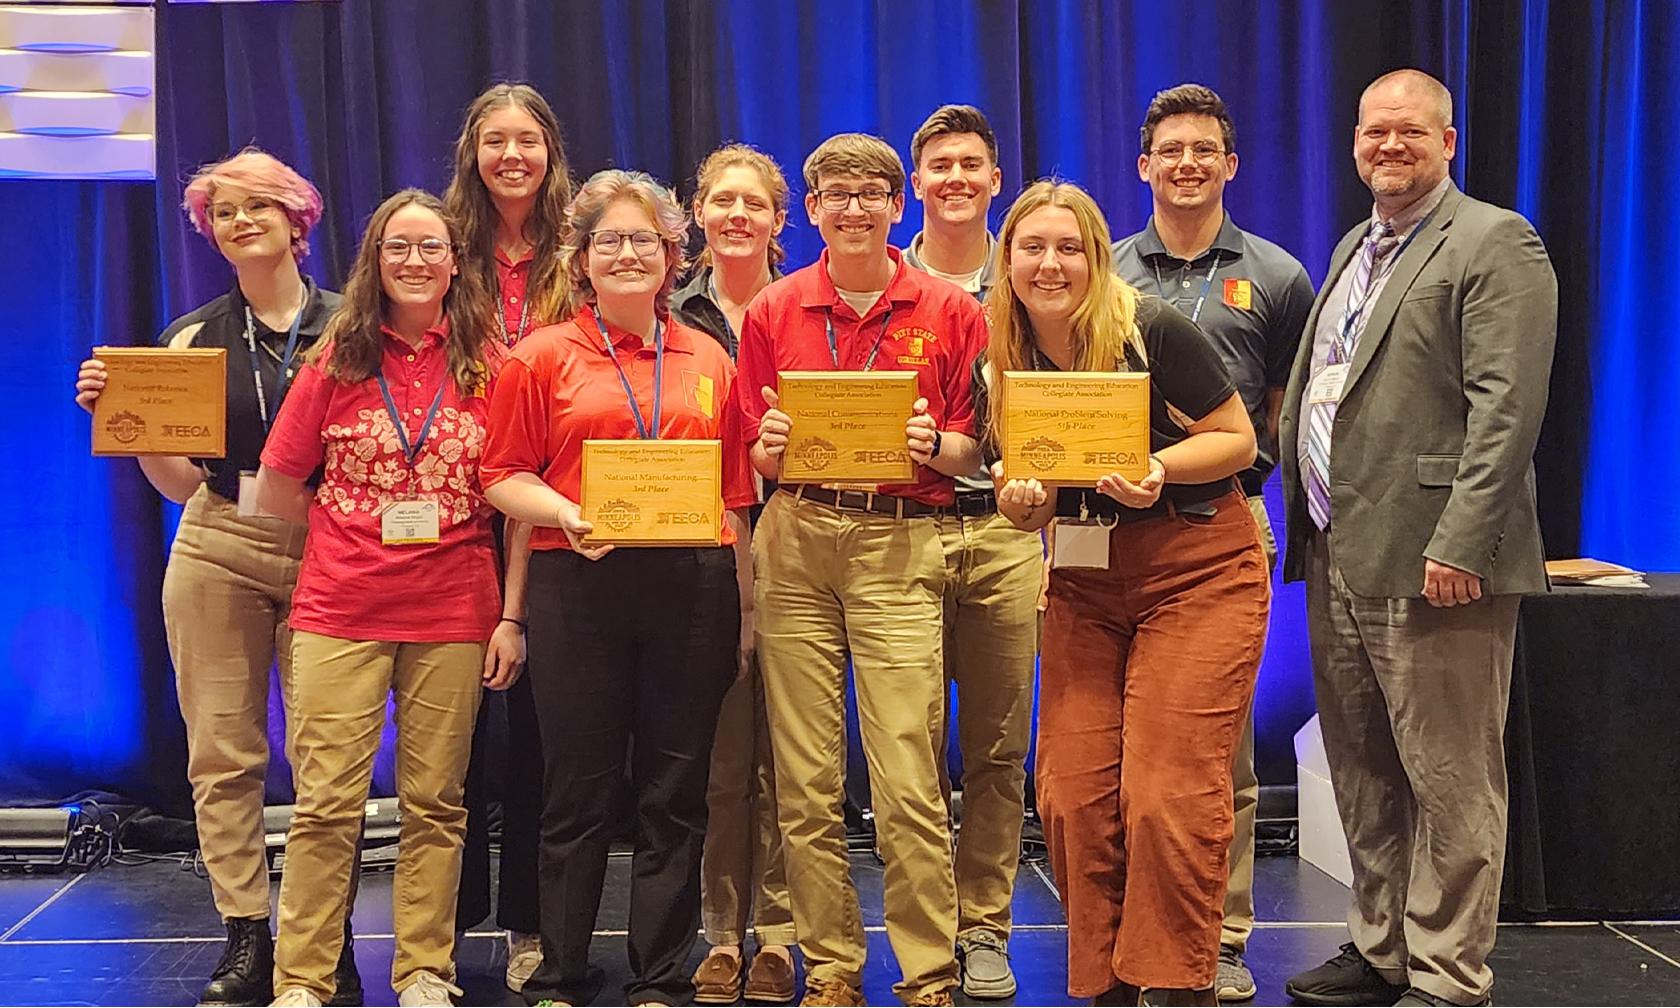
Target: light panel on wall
column 77, row 93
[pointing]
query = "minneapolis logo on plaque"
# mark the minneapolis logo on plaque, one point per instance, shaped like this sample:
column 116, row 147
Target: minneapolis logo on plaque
column 816, row 453
column 1043, row 454
column 618, row 514
column 125, row 427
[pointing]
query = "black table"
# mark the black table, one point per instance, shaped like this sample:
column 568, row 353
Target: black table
column 1593, row 750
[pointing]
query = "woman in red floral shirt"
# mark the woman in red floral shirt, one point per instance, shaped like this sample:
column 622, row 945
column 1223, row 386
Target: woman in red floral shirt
column 397, row 594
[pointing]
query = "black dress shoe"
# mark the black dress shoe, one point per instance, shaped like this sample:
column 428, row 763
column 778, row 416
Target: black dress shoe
column 1347, row 979
column 245, row 973
column 348, row 980
column 1413, row 996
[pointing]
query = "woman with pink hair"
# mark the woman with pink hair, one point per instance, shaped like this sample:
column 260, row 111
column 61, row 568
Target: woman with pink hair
column 227, row 590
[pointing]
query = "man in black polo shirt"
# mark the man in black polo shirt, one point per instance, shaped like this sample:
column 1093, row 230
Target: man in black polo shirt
column 992, row 570
column 1251, row 299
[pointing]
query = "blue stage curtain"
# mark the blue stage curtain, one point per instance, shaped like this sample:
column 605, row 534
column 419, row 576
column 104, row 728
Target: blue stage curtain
column 365, row 96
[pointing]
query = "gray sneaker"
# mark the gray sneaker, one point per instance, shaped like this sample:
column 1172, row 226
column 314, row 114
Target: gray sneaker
column 985, row 966
column 1233, row 981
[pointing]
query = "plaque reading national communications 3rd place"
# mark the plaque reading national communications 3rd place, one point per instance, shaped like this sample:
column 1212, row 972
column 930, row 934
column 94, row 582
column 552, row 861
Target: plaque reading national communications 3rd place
column 847, row 426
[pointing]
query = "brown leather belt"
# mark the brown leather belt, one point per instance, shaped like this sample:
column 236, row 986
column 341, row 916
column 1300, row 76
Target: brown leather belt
column 866, row 501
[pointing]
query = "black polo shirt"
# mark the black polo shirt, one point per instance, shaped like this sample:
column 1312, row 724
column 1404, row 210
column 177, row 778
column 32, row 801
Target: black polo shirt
column 1185, row 376
column 692, row 305
column 221, row 323
column 1257, row 298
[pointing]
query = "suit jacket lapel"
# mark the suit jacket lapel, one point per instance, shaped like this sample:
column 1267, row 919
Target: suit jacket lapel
column 1400, row 281
column 1299, row 374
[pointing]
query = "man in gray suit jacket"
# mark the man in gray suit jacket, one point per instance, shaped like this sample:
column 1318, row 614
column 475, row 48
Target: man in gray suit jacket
column 1407, row 437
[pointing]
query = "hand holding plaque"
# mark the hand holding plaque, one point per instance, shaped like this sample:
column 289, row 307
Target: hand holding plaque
column 1074, row 427
column 653, row 492
column 161, row 402
column 847, row 426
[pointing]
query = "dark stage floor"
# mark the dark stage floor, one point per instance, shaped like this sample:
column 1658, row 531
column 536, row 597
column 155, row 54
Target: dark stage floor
column 147, row 934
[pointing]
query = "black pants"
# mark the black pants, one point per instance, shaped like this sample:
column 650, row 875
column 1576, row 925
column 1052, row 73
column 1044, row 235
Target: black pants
column 520, row 796
column 630, row 653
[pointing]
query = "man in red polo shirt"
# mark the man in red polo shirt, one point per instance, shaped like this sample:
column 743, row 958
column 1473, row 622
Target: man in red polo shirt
column 861, row 574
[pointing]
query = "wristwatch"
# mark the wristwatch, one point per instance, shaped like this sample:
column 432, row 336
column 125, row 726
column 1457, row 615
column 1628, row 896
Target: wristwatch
column 938, row 439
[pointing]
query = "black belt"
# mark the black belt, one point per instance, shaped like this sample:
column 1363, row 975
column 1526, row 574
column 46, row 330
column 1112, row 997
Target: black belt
column 862, row 500
column 976, row 503
column 1100, row 505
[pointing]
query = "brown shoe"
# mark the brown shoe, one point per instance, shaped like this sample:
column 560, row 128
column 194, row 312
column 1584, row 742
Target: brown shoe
column 770, row 978
column 821, row 992
column 718, row 980
column 940, row 998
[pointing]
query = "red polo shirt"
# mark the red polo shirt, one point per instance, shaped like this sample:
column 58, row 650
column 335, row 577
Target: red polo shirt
column 511, row 279
column 560, row 387
column 935, row 330
column 351, row 585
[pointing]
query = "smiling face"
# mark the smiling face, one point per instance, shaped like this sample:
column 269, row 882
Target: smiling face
column 1401, row 146
column 413, row 282
column 739, row 215
column 627, row 273
column 1049, row 265
column 512, row 155
column 855, row 231
column 956, row 179
column 248, row 227
column 1187, row 166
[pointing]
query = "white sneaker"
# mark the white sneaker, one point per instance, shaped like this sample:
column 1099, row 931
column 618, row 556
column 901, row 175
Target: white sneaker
column 428, row 990
column 295, row 997
column 524, row 956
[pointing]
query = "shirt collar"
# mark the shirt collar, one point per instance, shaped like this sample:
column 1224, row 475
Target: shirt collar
column 529, row 256
column 1229, row 240
column 913, row 256
column 1409, row 217
column 820, row 292
column 676, row 335
column 434, row 336
column 700, row 286
column 315, row 313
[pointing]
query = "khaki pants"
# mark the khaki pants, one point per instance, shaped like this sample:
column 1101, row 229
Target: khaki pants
column 743, row 877
column 337, row 703
column 226, row 594
column 1412, row 700
column 991, row 640
column 831, row 583
column 1245, row 793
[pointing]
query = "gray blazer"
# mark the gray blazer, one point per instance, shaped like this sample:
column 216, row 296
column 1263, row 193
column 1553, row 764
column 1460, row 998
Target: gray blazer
column 1432, row 454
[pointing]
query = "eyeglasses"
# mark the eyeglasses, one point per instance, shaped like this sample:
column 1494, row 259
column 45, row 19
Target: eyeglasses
column 1202, row 153
column 255, row 207
column 395, row 250
column 643, row 243
column 868, row 200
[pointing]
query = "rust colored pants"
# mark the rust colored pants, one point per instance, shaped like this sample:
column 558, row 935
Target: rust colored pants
column 1146, row 679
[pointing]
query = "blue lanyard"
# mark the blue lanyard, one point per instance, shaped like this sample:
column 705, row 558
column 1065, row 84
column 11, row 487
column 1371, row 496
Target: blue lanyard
column 1388, row 267
column 501, row 318
column 410, row 452
column 285, row 377
column 1207, row 285
column 834, row 345
column 658, row 379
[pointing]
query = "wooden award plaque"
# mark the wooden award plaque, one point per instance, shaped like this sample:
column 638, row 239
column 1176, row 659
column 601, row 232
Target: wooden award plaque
column 1074, row 427
column 653, row 492
column 848, row 426
column 162, row 402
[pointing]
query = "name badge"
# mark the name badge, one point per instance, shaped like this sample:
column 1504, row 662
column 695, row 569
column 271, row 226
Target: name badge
column 1082, row 544
column 1327, row 387
column 248, row 507
column 409, row 523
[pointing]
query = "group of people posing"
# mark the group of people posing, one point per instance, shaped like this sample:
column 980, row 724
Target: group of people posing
column 398, row 517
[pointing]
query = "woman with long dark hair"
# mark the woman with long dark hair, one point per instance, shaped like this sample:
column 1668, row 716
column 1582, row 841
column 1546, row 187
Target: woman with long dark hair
column 397, row 594
column 228, row 588
column 509, row 196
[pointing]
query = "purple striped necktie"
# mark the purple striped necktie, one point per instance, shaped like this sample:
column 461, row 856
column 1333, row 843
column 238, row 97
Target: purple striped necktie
column 1374, row 253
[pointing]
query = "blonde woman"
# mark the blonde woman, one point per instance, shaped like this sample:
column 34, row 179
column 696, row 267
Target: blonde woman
column 1158, row 599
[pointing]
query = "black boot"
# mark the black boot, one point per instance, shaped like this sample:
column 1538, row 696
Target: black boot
column 349, row 981
column 245, row 973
